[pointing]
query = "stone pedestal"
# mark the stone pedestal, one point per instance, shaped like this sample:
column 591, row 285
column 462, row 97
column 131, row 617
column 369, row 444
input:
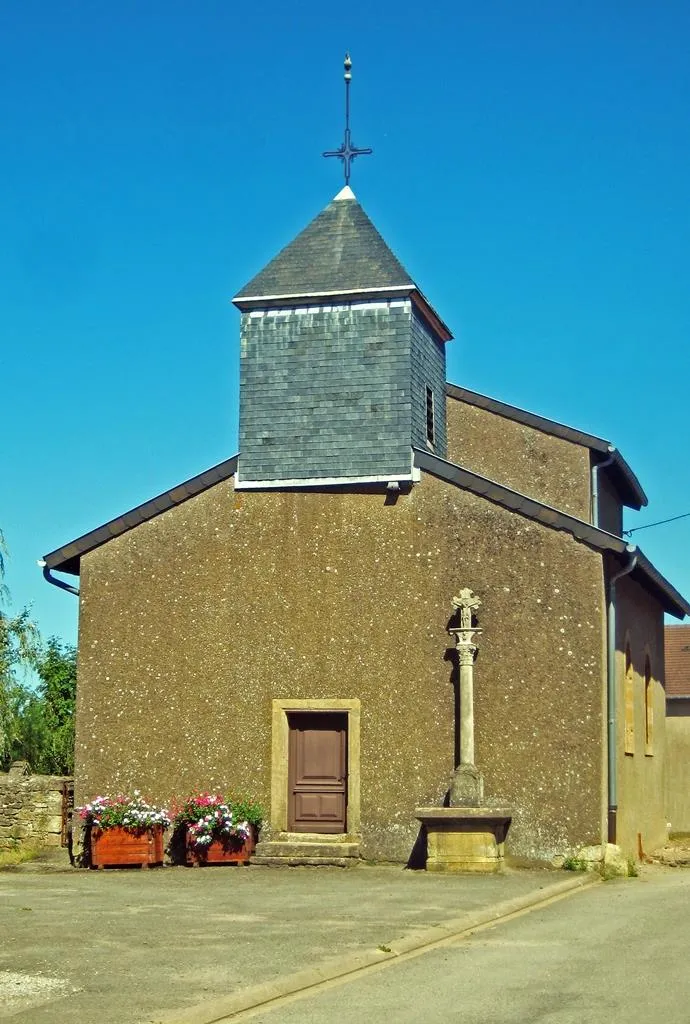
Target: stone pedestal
column 465, row 838
column 466, row 787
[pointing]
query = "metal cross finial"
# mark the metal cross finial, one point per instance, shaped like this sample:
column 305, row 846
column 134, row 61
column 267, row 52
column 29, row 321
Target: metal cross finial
column 347, row 151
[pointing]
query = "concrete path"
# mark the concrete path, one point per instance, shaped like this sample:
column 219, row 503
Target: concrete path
column 617, row 952
column 135, row 947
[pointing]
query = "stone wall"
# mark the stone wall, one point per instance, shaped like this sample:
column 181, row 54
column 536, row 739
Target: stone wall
column 192, row 623
column 544, row 467
column 678, row 766
column 30, row 807
column 641, row 769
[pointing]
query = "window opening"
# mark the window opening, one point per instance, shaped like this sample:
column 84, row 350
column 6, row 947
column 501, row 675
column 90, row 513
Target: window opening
column 429, row 415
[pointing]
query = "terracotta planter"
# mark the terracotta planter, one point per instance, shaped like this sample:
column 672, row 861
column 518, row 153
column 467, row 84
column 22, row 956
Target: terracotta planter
column 119, row 847
column 220, row 851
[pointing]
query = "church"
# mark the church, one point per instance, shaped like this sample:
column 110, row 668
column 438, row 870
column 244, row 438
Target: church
column 279, row 624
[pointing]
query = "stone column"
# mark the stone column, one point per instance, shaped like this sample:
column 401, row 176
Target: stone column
column 467, row 784
column 466, row 659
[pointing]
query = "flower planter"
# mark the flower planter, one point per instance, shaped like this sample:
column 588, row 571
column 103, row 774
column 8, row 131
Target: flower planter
column 120, row 847
column 220, row 851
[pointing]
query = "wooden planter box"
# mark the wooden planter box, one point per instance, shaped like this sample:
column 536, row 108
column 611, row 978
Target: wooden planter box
column 119, row 847
column 220, row 851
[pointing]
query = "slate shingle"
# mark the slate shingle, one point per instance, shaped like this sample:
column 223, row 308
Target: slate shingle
column 339, row 251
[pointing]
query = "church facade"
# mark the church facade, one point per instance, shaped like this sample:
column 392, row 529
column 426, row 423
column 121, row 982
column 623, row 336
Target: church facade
column 279, row 624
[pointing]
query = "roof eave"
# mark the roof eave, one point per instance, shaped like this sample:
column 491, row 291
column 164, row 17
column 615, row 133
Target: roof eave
column 247, row 303
column 290, row 299
column 673, row 602
column 429, row 314
column 67, row 558
column 629, row 486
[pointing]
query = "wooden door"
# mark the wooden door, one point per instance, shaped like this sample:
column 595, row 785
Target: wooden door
column 317, row 772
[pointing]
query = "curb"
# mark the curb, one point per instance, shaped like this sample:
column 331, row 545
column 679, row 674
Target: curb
column 217, row 1010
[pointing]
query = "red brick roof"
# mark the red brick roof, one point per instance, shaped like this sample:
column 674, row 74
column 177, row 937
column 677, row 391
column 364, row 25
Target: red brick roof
column 677, row 655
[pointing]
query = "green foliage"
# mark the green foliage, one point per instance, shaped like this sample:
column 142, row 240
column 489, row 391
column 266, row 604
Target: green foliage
column 208, row 816
column 246, row 809
column 574, row 864
column 36, row 722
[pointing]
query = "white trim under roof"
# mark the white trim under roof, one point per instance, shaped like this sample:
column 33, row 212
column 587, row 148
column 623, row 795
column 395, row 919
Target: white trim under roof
column 322, row 481
column 323, row 295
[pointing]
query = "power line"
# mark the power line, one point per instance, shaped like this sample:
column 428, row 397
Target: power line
column 647, row 526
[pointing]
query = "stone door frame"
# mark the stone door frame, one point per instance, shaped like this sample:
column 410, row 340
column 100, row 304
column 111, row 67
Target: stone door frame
column 279, row 757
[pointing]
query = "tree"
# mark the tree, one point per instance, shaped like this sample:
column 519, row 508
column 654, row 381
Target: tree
column 57, row 670
column 19, row 653
column 36, row 722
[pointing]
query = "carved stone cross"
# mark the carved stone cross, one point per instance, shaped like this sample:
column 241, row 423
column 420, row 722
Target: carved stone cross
column 466, row 603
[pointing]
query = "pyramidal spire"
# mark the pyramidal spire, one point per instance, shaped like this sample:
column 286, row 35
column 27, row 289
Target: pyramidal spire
column 339, row 252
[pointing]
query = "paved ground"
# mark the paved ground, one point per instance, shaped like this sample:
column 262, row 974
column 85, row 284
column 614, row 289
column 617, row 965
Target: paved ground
column 614, row 952
column 133, row 946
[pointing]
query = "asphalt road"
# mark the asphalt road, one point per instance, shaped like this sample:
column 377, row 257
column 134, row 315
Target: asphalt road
column 614, row 952
column 130, row 947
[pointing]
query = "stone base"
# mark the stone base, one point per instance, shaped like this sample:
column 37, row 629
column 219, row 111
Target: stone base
column 466, row 787
column 465, row 838
column 287, row 849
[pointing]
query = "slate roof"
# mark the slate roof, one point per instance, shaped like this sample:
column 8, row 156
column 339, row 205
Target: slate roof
column 677, row 658
column 629, row 487
column 340, row 251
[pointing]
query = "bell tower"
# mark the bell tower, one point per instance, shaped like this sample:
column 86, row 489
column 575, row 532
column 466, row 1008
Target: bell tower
column 342, row 365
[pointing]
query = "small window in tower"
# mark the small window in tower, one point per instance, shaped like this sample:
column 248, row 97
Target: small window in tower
column 429, row 415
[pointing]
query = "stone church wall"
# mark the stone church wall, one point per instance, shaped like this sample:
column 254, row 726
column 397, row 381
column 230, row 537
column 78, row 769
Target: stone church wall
column 193, row 622
column 547, row 468
column 30, row 808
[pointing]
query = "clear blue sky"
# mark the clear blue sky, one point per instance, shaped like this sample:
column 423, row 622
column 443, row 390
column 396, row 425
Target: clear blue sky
column 530, row 170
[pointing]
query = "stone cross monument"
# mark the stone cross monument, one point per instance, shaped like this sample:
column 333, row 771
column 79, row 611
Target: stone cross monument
column 465, row 835
column 467, row 786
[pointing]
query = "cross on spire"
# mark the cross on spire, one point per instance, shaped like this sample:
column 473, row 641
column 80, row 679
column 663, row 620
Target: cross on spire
column 347, row 151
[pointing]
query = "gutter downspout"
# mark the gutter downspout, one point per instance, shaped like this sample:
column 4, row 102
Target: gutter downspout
column 611, row 692
column 595, row 483
column 47, row 575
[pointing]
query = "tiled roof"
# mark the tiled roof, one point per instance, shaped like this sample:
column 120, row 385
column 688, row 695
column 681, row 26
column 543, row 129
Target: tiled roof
column 677, row 657
column 340, row 251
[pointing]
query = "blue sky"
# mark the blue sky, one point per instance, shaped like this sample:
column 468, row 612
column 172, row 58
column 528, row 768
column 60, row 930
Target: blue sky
column 530, row 169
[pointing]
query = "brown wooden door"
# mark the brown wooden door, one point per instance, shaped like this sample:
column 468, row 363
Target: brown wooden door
column 317, row 772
